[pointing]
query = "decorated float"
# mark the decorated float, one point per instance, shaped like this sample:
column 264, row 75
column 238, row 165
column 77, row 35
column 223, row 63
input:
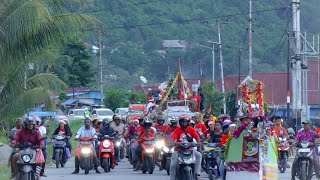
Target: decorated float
column 252, row 150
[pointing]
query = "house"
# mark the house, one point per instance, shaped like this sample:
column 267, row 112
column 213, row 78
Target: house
column 180, row 44
column 83, row 97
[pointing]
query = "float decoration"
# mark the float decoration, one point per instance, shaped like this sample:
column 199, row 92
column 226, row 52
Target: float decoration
column 251, row 152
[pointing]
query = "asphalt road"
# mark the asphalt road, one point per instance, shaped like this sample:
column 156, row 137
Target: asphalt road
column 121, row 172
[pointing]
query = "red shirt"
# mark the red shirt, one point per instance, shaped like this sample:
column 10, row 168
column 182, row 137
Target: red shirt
column 201, row 127
column 180, row 136
column 62, row 131
column 33, row 137
column 161, row 128
column 317, row 131
column 206, row 133
column 139, row 130
column 197, row 99
column 169, row 130
column 280, row 130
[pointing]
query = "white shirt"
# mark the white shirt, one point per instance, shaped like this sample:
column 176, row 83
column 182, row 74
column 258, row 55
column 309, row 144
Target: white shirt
column 43, row 131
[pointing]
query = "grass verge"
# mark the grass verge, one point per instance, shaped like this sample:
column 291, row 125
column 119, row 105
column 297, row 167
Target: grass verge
column 4, row 172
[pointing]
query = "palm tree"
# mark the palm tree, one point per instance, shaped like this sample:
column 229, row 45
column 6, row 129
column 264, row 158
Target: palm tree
column 28, row 29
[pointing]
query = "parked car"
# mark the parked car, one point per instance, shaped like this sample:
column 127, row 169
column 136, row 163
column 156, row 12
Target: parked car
column 123, row 112
column 76, row 114
column 102, row 113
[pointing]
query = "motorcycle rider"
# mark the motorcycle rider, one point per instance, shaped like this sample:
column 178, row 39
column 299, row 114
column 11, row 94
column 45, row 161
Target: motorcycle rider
column 147, row 129
column 160, row 127
column 27, row 134
column 62, row 130
column 200, row 127
column 106, row 128
column 173, row 124
column 278, row 129
column 119, row 127
column 307, row 134
column 86, row 131
column 13, row 131
column 185, row 133
column 97, row 124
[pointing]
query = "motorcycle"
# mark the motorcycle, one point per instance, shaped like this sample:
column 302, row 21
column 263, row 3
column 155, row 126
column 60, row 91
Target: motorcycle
column 304, row 160
column 106, row 153
column 59, row 148
column 211, row 154
column 148, row 154
column 85, row 154
column 119, row 148
column 27, row 163
column 186, row 161
column 166, row 158
column 283, row 149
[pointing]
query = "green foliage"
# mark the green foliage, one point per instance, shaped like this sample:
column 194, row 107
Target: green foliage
column 4, row 172
column 137, row 97
column 213, row 97
column 115, row 98
column 80, row 72
column 231, row 104
column 136, row 31
column 28, row 30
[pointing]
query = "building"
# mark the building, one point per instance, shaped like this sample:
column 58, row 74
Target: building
column 82, row 97
column 275, row 85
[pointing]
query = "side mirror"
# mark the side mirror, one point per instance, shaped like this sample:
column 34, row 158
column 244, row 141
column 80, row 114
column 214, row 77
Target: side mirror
column 71, row 114
column 218, row 140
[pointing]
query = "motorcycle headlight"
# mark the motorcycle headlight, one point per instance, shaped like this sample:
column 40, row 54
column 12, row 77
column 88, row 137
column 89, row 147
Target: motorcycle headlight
column 26, row 158
column 284, row 139
column 165, row 149
column 159, row 144
column 280, row 139
column 106, row 144
column 118, row 143
column 85, row 150
column 172, row 150
column 149, row 150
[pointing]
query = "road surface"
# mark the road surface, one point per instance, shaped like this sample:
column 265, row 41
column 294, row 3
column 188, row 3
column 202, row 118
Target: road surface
column 121, row 172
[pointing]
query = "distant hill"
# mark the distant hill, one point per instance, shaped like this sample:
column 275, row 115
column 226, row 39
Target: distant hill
column 137, row 30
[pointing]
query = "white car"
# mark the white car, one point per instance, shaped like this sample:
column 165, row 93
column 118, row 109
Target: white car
column 123, row 112
column 76, row 114
column 102, row 113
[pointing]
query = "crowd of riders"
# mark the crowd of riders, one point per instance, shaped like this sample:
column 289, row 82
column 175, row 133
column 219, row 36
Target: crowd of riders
column 203, row 130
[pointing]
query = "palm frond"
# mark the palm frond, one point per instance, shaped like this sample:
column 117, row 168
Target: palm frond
column 46, row 81
column 26, row 101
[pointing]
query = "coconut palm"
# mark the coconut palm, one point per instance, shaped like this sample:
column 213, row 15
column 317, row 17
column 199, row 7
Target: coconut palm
column 28, row 28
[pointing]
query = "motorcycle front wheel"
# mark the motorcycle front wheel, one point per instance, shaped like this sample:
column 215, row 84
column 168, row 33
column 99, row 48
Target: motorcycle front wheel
column 303, row 174
column 57, row 159
column 187, row 173
column 283, row 164
column 106, row 165
column 168, row 162
column 211, row 175
column 150, row 164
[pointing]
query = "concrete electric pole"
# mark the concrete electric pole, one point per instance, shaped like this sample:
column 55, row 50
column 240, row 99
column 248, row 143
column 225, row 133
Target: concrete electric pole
column 250, row 38
column 221, row 67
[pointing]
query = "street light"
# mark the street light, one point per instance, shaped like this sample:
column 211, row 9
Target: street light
column 212, row 51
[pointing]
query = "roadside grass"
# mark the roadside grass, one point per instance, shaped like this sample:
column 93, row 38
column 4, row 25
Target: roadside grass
column 4, row 136
column 4, row 172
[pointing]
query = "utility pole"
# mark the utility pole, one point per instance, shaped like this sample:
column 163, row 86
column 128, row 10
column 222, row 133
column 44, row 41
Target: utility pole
column 221, row 67
column 288, row 80
column 100, row 66
column 250, row 38
column 212, row 51
column 296, row 61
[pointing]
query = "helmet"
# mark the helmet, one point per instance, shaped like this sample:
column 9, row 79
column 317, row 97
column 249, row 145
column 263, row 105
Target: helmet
column 106, row 122
column 221, row 116
column 192, row 122
column 29, row 121
column 147, row 123
column 183, row 118
column 226, row 123
column 172, row 120
column 160, row 118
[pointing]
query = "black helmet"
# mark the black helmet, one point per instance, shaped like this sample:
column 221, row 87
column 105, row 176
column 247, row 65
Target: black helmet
column 29, row 121
column 183, row 118
column 106, row 122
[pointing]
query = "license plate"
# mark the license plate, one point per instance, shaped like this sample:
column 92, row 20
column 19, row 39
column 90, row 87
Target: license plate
column 305, row 150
